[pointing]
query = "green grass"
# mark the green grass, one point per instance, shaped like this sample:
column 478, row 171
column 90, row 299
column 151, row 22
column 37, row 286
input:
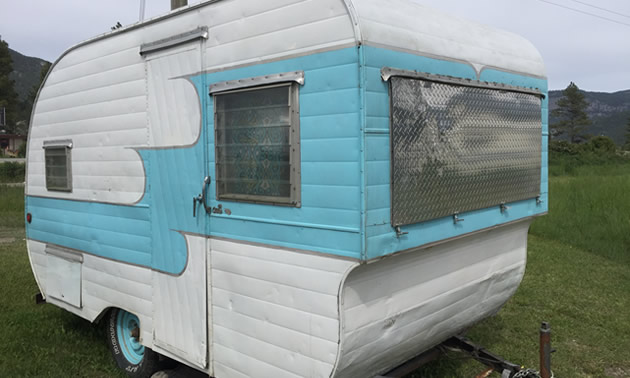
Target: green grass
column 577, row 278
column 11, row 208
column 591, row 210
column 11, row 172
column 39, row 340
column 584, row 296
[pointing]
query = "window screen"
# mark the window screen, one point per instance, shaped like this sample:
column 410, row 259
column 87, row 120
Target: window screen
column 257, row 144
column 458, row 148
column 58, row 166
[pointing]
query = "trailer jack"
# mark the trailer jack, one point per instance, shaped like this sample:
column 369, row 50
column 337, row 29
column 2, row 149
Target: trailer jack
column 492, row 361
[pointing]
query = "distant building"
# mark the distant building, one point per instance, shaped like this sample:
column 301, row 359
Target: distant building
column 11, row 143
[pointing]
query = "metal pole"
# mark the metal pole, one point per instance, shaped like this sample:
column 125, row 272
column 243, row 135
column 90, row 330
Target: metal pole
column 178, row 4
column 545, row 350
column 142, row 8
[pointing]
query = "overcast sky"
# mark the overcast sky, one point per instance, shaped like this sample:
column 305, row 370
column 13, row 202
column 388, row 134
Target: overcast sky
column 592, row 52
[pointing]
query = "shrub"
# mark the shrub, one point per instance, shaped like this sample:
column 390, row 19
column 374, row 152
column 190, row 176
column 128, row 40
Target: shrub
column 12, row 172
column 22, row 150
column 600, row 145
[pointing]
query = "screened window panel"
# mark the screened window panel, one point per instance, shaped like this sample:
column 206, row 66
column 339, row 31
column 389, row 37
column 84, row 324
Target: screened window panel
column 458, row 148
column 256, row 146
column 58, row 174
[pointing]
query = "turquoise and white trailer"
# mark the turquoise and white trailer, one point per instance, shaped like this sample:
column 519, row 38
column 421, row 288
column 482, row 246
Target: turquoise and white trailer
column 287, row 188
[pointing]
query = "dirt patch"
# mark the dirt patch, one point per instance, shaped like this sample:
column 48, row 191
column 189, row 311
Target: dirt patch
column 6, row 240
column 617, row 372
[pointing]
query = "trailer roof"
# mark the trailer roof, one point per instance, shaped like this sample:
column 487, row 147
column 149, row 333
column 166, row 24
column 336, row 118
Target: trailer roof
column 412, row 27
column 406, row 26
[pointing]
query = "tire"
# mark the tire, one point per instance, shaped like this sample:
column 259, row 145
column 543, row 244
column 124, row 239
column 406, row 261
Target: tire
column 123, row 330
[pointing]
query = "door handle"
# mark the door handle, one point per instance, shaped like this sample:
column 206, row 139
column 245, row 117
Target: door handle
column 201, row 197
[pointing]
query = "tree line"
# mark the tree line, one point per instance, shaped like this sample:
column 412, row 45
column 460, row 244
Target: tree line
column 17, row 113
column 570, row 109
column 573, row 120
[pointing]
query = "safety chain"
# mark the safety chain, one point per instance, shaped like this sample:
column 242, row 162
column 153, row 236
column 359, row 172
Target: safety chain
column 527, row 373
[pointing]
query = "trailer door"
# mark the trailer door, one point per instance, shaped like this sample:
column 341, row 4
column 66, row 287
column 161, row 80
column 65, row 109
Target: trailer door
column 180, row 310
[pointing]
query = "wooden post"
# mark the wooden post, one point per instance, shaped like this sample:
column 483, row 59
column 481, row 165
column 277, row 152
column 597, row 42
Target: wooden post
column 545, row 350
column 178, row 4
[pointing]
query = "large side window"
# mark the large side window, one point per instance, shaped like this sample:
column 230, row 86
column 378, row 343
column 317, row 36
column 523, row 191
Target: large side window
column 461, row 145
column 257, row 144
column 58, row 162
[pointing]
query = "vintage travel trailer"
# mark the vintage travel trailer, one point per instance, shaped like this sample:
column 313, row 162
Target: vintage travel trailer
column 287, row 188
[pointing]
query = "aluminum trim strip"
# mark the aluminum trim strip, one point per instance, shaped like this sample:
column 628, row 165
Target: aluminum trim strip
column 199, row 33
column 66, row 254
column 389, row 72
column 295, row 76
column 57, row 143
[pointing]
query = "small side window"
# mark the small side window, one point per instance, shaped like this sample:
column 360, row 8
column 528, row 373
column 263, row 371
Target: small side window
column 257, row 144
column 58, row 165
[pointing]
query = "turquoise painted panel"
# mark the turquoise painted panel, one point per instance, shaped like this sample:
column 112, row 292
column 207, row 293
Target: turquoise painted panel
column 330, row 146
column 378, row 145
column 332, row 126
column 373, row 71
column 377, row 104
column 331, row 197
column 381, row 238
column 340, row 101
column 116, row 232
column 332, row 78
column 382, row 241
column 377, row 173
column 339, row 243
column 377, row 124
column 330, row 150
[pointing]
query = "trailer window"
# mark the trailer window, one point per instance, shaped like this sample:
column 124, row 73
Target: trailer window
column 461, row 147
column 257, row 144
column 58, row 165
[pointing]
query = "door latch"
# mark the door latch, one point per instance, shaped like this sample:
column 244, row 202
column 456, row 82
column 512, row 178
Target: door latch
column 201, row 197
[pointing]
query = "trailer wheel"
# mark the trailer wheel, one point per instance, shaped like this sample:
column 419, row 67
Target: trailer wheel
column 123, row 336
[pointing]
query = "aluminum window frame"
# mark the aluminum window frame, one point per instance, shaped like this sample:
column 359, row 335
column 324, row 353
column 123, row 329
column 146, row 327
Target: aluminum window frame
column 66, row 147
column 294, row 199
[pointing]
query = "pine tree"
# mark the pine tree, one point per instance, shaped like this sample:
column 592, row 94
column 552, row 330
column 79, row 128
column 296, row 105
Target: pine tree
column 8, row 97
column 571, row 110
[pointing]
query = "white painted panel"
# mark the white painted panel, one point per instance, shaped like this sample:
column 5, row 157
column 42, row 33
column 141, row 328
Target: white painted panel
column 179, row 312
column 398, row 307
column 174, row 108
column 101, row 80
column 37, row 258
column 406, row 25
column 109, row 284
column 103, row 284
column 63, row 280
column 275, row 311
column 91, row 96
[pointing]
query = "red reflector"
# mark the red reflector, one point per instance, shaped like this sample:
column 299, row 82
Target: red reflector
column 29, row 217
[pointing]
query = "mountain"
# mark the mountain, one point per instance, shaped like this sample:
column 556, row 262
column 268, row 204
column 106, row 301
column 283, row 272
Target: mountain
column 609, row 113
column 26, row 72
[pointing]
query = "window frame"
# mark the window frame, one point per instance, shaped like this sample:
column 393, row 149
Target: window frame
column 59, row 145
column 294, row 199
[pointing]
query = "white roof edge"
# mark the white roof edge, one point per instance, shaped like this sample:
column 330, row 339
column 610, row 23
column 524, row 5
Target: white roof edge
column 395, row 24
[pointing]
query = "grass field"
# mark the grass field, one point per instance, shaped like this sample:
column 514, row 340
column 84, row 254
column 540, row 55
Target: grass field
column 578, row 279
